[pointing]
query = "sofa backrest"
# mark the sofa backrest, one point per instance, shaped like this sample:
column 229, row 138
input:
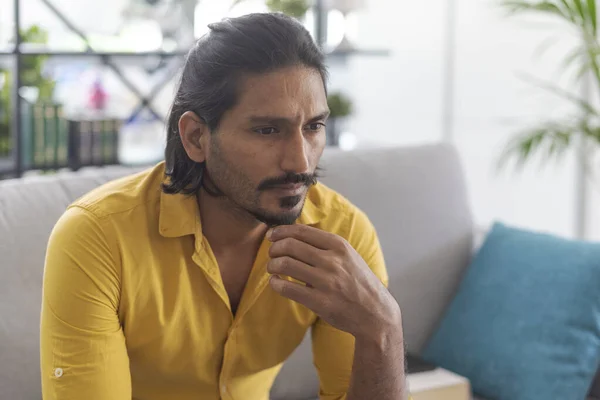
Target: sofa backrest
column 29, row 208
column 417, row 200
column 415, row 197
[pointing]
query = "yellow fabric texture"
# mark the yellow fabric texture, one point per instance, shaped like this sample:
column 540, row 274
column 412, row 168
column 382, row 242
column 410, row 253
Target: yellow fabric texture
column 134, row 306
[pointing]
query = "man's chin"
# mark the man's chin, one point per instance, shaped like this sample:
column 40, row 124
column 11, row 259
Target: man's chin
column 280, row 216
column 282, row 211
column 274, row 219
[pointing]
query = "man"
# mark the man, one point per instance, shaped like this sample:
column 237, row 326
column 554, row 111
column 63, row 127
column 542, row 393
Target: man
column 197, row 278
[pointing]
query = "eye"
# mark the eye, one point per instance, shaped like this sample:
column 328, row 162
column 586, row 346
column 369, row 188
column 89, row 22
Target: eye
column 316, row 126
column 269, row 130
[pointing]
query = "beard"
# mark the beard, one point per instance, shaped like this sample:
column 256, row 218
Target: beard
column 222, row 179
column 287, row 214
column 282, row 218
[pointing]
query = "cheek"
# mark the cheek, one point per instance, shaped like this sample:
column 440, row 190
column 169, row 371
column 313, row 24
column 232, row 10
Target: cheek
column 242, row 164
column 317, row 146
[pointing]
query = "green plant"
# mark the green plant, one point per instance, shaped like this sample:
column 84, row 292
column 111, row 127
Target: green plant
column 31, row 75
column 4, row 112
column 293, row 8
column 339, row 105
column 552, row 138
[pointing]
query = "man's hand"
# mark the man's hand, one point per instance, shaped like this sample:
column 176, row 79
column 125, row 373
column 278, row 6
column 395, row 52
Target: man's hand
column 340, row 287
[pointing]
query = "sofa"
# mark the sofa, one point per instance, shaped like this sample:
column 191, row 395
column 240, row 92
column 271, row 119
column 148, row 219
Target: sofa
column 416, row 197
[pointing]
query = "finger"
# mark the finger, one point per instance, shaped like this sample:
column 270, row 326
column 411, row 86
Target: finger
column 307, row 234
column 298, row 250
column 304, row 295
column 295, row 269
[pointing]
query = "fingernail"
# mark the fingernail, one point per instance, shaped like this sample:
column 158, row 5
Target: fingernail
column 269, row 233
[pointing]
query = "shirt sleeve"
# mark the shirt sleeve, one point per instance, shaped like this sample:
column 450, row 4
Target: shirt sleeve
column 333, row 350
column 83, row 352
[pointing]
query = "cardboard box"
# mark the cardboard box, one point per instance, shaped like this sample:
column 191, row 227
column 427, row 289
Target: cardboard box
column 438, row 384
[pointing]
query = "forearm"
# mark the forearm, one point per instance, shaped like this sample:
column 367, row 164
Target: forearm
column 378, row 368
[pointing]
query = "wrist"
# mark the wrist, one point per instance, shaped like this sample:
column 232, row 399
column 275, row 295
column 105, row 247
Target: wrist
column 383, row 335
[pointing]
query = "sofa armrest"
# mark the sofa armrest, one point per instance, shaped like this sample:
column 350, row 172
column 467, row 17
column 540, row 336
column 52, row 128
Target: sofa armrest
column 480, row 232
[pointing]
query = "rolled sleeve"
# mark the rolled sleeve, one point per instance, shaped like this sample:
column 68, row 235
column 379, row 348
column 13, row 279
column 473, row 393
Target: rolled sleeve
column 83, row 352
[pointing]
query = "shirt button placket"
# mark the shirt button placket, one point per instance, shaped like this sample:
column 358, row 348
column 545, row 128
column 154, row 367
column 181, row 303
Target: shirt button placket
column 225, row 366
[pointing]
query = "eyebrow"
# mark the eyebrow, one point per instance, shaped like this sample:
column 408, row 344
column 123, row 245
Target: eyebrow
column 259, row 119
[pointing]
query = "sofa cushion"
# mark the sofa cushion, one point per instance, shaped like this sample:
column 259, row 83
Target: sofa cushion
column 526, row 320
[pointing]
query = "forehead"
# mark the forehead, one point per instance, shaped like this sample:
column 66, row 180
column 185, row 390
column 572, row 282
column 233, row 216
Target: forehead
column 286, row 92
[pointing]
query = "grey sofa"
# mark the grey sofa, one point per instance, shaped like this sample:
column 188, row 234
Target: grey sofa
column 416, row 198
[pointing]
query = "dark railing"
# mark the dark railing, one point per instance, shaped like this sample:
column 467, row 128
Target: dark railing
column 18, row 152
column 21, row 151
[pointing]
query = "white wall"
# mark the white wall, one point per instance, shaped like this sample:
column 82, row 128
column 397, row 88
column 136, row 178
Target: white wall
column 491, row 49
column 398, row 98
column 400, row 101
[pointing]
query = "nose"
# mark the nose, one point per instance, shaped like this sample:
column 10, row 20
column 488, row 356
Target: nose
column 295, row 154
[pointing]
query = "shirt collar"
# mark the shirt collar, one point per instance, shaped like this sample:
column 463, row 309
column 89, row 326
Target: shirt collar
column 311, row 212
column 179, row 214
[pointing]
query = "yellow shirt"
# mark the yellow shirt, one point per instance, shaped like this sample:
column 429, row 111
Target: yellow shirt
column 134, row 306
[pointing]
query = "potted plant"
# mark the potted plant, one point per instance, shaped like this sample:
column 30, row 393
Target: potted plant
column 553, row 137
column 294, row 8
column 340, row 107
column 31, row 76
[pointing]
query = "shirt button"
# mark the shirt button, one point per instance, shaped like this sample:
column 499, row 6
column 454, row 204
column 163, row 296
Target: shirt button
column 58, row 372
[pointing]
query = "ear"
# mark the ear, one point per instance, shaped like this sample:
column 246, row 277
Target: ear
column 193, row 132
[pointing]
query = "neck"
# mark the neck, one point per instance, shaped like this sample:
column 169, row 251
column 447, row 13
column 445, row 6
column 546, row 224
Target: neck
column 225, row 225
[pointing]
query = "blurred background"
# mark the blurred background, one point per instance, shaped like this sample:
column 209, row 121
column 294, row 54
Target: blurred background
column 513, row 86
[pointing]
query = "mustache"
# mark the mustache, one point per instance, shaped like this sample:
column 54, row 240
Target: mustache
column 290, row 178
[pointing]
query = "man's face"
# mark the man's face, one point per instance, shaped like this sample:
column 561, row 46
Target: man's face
column 265, row 152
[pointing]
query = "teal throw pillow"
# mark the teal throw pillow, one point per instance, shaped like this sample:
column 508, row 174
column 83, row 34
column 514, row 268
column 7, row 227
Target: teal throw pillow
column 525, row 323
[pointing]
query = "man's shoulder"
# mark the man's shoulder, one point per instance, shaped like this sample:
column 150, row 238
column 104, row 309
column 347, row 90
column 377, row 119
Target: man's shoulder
column 329, row 200
column 124, row 194
column 337, row 213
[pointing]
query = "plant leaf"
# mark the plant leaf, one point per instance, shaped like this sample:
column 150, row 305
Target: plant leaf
column 524, row 6
column 582, row 104
column 593, row 52
column 235, row 3
column 550, row 140
column 594, row 17
column 569, row 10
column 580, row 57
column 587, row 12
column 583, row 70
column 574, row 56
column 593, row 133
column 580, row 10
column 545, row 45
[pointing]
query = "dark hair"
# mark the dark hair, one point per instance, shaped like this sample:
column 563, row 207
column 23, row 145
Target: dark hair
column 253, row 43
